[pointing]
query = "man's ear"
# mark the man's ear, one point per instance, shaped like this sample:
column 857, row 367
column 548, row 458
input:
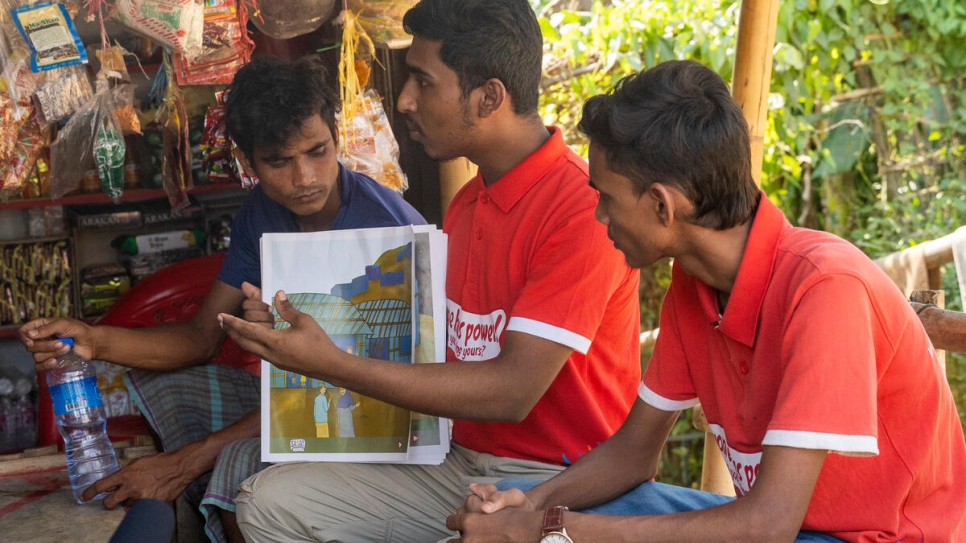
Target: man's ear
column 492, row 97
column 670, row 204
column 662, row 202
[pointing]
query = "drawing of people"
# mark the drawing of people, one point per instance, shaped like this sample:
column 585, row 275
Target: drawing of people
column 344, row 408
column 321, row 414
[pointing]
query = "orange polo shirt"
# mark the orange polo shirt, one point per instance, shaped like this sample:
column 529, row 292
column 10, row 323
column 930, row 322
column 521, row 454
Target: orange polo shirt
column 527, row 255
column 818, row 349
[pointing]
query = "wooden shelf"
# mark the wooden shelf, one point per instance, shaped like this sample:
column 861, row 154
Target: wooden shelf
column 101, row 198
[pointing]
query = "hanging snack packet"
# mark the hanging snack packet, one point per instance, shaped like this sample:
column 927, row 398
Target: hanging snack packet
column 225, row 48
column 215, row 147
column 9, row 126
column 90, row 136
column 366, row 142
column 50, row 33
column 177, row 24
column 112, row 62
column 124, row 107
column 63, row 95
column 176, row 147
column 16, row 168
column 109, row 152
column 382, row 19
column 16, row 79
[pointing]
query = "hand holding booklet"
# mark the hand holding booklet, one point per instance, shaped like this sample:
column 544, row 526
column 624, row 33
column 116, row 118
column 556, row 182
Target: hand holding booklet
column 377, row 293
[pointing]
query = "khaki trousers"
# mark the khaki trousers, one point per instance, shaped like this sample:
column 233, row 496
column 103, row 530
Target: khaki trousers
column 350, row 502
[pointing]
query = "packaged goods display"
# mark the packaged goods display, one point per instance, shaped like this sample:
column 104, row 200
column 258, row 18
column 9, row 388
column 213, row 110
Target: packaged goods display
column 78, row 116
column 101, row 286
column 84, row 142
column 35, row 281
column 158, row 242
column 225, row 47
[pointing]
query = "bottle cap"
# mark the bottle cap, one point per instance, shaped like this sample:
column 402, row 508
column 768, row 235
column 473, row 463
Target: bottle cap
column 68, row 340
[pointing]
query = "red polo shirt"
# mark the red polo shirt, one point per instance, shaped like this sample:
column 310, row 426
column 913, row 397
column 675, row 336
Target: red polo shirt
column 818, row 349
column 527, row 255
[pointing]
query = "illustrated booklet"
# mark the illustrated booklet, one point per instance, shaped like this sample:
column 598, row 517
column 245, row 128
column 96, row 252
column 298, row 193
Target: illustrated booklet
column 378, row 293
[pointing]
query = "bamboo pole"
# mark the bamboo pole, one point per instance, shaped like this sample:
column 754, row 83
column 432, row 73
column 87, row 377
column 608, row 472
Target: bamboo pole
column 453, row 174
column 757, row 23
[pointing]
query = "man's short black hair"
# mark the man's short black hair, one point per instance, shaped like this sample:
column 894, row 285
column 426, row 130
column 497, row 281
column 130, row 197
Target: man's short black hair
column 484, row 39
column 270, row 98
column 677, row 124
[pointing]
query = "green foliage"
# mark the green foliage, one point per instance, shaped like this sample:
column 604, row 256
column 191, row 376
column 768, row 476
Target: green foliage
column 867, row 110
column 621, row 38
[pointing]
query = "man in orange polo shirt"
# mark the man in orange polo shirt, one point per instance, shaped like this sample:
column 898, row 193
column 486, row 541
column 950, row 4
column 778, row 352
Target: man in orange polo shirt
column 542, row 311
column 823, row 390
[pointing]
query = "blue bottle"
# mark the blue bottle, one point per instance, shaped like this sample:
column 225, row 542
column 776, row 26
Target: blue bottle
column 81, row 421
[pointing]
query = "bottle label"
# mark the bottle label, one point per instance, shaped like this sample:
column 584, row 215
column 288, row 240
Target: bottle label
column 74, row 395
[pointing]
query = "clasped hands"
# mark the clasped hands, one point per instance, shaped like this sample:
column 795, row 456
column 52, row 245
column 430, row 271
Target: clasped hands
column 491, row 515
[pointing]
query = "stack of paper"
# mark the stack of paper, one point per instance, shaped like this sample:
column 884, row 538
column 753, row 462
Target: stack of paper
column 377, row 293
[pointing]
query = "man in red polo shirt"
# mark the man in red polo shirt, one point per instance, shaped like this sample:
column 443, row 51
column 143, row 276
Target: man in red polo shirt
column 822, row 388
column 542, row 310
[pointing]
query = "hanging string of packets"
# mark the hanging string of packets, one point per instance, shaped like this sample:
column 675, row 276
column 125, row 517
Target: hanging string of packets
column 366, row 141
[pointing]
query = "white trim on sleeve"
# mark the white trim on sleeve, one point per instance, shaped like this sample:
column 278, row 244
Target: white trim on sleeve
column 850, row 445
column 664, row 404
column 556, row 334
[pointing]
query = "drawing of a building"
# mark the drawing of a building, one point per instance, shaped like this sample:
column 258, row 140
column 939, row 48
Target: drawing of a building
column 370, row 315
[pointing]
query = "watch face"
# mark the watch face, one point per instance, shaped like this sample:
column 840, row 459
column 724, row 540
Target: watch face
column 555, row 537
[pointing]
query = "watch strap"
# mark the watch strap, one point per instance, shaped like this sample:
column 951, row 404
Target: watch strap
column 553, row 519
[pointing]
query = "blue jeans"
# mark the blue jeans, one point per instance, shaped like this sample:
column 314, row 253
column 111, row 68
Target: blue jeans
column 658, row 499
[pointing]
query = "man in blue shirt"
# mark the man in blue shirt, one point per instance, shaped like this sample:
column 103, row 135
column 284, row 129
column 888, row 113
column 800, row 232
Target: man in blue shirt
column 281, row 116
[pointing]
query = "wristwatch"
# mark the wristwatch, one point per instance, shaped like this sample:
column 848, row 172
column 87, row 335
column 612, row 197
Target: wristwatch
column 553, row 530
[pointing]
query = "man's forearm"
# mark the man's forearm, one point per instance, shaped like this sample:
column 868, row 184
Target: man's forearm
column 198, row 458
column 503, row 389
column 601, row 475
column 772, row 511
column 164, row 347
column 627, row 459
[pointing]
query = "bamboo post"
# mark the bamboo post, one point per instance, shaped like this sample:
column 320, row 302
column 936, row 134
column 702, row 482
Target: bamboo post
column 453, row 174
column 757, row 23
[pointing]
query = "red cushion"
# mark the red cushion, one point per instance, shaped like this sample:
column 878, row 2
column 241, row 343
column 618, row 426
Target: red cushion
column 172, row 294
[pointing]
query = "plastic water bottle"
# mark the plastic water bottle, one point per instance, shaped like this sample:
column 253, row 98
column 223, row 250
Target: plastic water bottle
column 81, row 420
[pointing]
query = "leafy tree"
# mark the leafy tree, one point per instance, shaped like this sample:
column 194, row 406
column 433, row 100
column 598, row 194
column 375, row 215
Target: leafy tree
column 867, row 110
